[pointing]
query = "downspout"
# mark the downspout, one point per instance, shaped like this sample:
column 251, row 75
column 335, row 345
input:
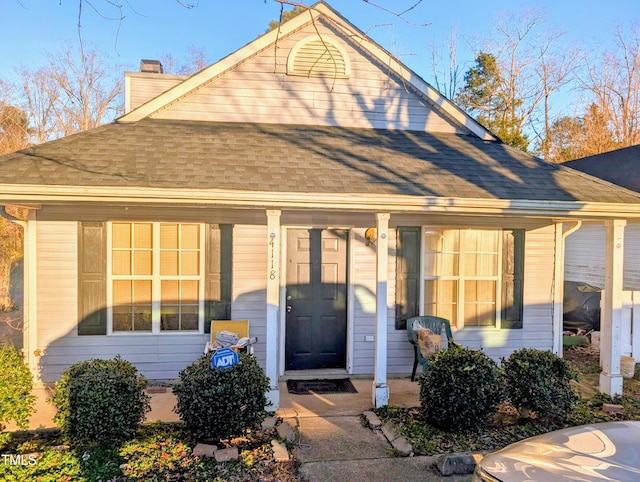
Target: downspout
column 558, row 296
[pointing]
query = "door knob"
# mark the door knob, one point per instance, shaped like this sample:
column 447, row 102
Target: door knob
column 288, row 308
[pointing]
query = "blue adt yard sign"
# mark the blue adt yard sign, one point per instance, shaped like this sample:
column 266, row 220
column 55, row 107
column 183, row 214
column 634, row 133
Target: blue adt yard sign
column 224, row 358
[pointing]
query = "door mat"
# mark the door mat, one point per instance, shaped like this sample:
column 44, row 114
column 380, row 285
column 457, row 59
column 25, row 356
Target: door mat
column 305, row 387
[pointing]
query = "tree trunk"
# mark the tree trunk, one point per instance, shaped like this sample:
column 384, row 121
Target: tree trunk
column 6, row 303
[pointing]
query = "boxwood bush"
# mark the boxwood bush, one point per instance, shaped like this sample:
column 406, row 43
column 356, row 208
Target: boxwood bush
column 539, row 381
column 100, row 401
column 16, row 382
column 460, row 389
column 219, row 403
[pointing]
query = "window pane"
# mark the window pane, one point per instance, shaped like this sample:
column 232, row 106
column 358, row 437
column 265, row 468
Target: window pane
column 143, row 263
column 189, row 318
column 142, row 318
column 430, row 298
column 488, row 265
column 121, row 236
column 190, row 291
column 449, row 264
column 481, row 257
column 450, row 253
column 170, row 291
column 168, row 263
column 449, row 312
column 451, row 241
column 190, row 236
column 142, row 235
column 448, row 300
column 142, row 292
column 122, row 318
column 121, row 263
column 190, row 265
column 480, row 303
column 170, row 318
column 168, row 236
column 441, row 299
column 122, row 292
column 432, row 249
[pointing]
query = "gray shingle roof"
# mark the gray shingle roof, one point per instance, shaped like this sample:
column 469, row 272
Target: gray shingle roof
column 289, row 158
column 621, row 167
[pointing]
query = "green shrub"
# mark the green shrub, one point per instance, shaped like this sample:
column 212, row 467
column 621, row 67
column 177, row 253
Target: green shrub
column 101, row 401
column 218, row 403
column 538, row 380
column 16, row 382
column 460, row 389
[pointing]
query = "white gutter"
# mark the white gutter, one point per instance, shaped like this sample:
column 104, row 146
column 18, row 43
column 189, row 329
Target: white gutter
column 571, row 230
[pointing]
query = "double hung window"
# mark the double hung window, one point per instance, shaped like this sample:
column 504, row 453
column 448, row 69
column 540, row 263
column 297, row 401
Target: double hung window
column 156, row 281
column 472, row 277
column 461, row 275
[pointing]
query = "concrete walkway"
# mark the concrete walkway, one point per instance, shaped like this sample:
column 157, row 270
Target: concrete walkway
column 333, row 444
column 162, row 404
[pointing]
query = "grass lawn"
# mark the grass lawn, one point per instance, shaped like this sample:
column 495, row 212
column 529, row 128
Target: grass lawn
column 160, row 452
column 506, row 427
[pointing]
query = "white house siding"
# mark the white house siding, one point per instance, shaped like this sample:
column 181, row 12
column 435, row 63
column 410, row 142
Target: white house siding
column 632, row 256
column 57, row 287
column 585, row 255
column 142, row 87
column 250, row 283
column 156, row 356
column 259, row 90
column 364, row 304
column 537, row 329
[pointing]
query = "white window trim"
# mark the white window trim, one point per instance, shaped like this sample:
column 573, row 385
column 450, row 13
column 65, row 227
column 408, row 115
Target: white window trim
column 155, row 285
column 460, row 305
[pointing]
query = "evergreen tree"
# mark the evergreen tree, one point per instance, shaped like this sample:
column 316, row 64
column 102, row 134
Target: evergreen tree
column 486, row 97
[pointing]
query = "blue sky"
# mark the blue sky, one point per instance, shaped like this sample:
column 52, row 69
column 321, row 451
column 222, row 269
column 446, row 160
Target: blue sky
column 158, row 27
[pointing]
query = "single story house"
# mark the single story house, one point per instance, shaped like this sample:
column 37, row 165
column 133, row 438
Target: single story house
column 309, row 183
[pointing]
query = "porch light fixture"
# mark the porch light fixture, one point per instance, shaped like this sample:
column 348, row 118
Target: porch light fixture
column 371, row 235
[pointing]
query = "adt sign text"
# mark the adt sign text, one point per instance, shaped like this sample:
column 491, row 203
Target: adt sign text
column 224, row 358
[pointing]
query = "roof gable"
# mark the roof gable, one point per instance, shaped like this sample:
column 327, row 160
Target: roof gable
column 399, row 99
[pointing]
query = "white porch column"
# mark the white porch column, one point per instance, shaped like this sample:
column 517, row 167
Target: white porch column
column 611, row 317
column 380, row 390
column 273, row 305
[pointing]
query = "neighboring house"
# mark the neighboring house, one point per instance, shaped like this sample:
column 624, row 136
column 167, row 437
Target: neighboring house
column 312, row 184
column 585, row 258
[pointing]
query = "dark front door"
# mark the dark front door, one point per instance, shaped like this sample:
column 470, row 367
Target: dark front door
column 316, row 334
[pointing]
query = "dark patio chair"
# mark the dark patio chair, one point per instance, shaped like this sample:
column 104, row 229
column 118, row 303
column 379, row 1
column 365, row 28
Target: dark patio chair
column 433, row 323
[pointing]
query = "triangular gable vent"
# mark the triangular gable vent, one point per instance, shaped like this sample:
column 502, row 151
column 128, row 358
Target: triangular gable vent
column 318, row 57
